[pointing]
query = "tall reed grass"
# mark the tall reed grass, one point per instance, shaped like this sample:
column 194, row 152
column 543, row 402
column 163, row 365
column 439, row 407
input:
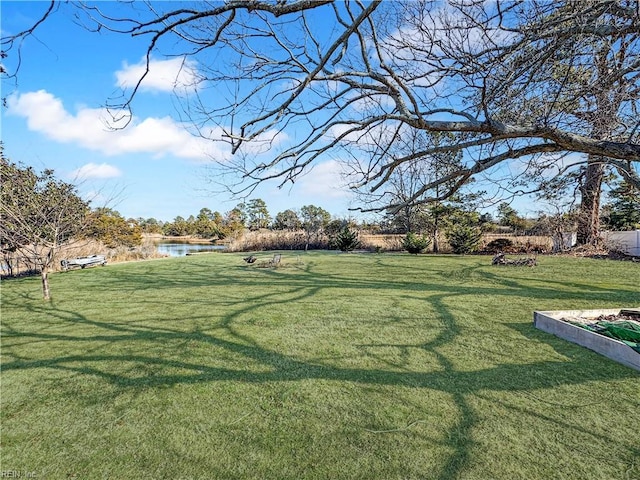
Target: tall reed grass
column 262, row 240
column 22, row 263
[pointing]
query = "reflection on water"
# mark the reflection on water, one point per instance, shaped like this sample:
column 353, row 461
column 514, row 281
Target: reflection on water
column 175, row 249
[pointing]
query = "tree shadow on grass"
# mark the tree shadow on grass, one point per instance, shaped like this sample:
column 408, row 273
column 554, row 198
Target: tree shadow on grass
column 474, row 279
column 283, row 368
column 275, row 366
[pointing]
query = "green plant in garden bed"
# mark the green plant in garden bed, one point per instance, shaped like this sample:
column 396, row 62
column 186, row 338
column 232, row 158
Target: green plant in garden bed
column 359, row 366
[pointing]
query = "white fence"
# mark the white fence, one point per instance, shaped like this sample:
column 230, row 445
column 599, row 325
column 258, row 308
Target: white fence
column 628, row 242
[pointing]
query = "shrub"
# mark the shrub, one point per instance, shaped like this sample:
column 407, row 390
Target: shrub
column 500, row 245
column 346, row 239
column 464, row 238
column 415, row 244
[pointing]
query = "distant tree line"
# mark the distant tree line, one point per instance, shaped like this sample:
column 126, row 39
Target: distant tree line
column 39, row 214
column 457, row 220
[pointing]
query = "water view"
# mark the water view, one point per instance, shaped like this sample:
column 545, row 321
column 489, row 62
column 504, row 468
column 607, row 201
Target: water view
column 178, row 249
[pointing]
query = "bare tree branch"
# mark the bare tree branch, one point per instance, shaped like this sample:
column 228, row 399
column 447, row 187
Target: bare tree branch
column 511, row 80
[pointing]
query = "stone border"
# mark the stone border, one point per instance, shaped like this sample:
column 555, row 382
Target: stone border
column 550, row 322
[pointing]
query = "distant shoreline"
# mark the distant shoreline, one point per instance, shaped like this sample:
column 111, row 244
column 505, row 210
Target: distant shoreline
column 155, row 237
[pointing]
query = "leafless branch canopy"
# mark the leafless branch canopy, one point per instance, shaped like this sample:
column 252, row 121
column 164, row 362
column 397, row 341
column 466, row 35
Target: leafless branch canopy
column 528, row 81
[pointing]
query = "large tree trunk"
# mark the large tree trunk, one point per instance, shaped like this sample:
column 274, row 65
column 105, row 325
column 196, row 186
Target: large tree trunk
column 607, row 105
column 436, row 234
column 589, row 218
column 436, row 242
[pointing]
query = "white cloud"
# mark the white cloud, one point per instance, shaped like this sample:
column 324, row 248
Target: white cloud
column 163, row 75
column 93, row 170
column 95, row 129
column 325, row 180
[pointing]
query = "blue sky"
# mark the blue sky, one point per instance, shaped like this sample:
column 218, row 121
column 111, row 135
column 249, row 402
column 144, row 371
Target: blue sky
column 55, row 118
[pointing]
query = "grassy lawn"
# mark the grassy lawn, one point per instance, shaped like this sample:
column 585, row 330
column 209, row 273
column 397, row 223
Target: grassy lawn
column 332, row 366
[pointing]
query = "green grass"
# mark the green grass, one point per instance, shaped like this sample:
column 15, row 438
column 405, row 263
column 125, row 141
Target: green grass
column 332, row 366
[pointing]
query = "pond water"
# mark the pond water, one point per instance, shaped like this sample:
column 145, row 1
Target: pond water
column 177, row 249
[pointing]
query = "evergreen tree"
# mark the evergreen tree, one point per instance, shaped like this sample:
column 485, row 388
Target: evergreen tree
column 257, row 214
column 415, row 244
column 111, row 228
column 346, row 239
column 624, row 210
column 287, row 220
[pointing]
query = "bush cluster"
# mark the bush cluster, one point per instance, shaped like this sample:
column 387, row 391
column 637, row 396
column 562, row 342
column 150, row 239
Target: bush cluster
column 415, row 244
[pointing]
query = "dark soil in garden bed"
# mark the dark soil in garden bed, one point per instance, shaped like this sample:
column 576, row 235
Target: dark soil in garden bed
column 623, row 315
